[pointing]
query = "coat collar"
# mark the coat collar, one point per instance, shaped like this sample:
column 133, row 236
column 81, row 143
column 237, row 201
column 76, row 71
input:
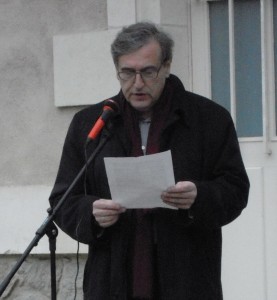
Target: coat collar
column 180, row 107
column 180, row 110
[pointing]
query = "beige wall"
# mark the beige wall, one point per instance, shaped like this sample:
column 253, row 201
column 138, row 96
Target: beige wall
column 32, row 133
column 49, row 67
column 32, row 128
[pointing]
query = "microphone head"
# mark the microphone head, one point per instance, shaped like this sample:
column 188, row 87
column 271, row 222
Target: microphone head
column 111, row 105
column 109, row 110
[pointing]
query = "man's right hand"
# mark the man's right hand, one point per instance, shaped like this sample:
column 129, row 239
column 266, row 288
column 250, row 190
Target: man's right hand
column 106, row 212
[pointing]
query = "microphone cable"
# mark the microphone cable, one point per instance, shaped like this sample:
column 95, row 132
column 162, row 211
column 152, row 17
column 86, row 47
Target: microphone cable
column 112, row 107
column 77, row 271
column 78, row 243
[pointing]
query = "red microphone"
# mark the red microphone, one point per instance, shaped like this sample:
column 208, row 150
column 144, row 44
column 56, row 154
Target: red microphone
column 110, row 109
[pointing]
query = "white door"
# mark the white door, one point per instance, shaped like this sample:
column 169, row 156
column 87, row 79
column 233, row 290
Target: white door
column 233, row 57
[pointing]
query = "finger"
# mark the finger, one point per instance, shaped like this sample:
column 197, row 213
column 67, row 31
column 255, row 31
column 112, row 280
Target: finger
column 106, row 204
column 105, row 221
column 182, row 186
column 178, row 197
column 101, row 217
column 186, row 195
column 179, row 205
column 109, row 211
column 179, row 201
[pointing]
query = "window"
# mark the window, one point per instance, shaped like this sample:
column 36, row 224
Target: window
column 247, row 62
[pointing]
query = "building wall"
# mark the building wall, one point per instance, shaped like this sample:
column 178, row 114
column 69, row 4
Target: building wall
column 32, row 134
column 29, row 120
column 46, row 48
column 33, row 123
column 36, row 71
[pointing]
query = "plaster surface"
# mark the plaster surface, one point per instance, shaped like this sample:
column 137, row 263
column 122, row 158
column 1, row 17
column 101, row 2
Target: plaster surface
column 32, row 128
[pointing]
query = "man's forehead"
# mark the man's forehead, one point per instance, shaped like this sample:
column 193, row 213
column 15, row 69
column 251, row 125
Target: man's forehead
column 148, row 54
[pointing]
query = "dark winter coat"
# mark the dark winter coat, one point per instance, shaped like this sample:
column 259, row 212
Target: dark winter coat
column 205, row 150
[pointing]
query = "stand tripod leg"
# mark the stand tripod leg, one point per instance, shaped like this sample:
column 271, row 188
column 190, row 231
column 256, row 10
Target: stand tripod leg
column 52, row 232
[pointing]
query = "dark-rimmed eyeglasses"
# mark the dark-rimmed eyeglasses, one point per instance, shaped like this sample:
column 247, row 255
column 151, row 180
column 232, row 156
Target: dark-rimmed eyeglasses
column 146, row 73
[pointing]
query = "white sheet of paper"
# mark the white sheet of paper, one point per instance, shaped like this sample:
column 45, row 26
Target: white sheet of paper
column 137, row 182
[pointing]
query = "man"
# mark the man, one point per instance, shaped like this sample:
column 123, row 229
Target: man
column 158, row 253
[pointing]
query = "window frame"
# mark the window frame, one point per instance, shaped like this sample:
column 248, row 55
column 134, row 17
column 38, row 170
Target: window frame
column 201, row 64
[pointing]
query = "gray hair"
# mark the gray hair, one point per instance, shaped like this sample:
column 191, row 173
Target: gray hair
column 135, row 36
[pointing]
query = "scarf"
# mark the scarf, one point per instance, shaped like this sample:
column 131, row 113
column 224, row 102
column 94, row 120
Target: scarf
column 143, row 277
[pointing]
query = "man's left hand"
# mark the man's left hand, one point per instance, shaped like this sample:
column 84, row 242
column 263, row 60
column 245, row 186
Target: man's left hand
column 182, row 195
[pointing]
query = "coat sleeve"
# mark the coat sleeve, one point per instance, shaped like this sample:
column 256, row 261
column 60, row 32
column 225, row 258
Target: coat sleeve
column 75, row 215
column 223, row 192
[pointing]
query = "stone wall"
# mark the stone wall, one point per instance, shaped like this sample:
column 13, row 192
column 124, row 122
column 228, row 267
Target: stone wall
column 33, row 279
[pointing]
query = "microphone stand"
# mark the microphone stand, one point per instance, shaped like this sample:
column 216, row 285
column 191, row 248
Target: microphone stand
column 52, row 233
column 48, row 227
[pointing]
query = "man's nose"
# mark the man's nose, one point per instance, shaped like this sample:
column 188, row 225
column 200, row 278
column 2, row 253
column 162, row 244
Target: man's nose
column 138, row 83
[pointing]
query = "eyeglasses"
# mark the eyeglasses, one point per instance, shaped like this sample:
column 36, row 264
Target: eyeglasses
column 147, row 73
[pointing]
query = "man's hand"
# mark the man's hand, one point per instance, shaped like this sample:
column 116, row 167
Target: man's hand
column 106, row 212
column 182, row 195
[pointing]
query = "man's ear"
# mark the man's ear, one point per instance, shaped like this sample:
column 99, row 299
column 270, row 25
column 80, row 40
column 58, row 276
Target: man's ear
column 167, row 65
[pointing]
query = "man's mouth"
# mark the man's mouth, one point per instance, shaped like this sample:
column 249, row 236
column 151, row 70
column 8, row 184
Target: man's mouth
column 139, row 94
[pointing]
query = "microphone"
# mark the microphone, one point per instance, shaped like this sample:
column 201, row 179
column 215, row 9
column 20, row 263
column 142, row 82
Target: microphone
column 109, row 110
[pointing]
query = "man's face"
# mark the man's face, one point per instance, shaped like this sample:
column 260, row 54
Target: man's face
column 143, row 93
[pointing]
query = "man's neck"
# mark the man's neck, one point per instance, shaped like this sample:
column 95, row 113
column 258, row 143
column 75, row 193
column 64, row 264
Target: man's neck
column 145, row 115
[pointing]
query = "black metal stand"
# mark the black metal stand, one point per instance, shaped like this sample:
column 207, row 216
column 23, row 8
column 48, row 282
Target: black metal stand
column 52, row 233
column 48, row 227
